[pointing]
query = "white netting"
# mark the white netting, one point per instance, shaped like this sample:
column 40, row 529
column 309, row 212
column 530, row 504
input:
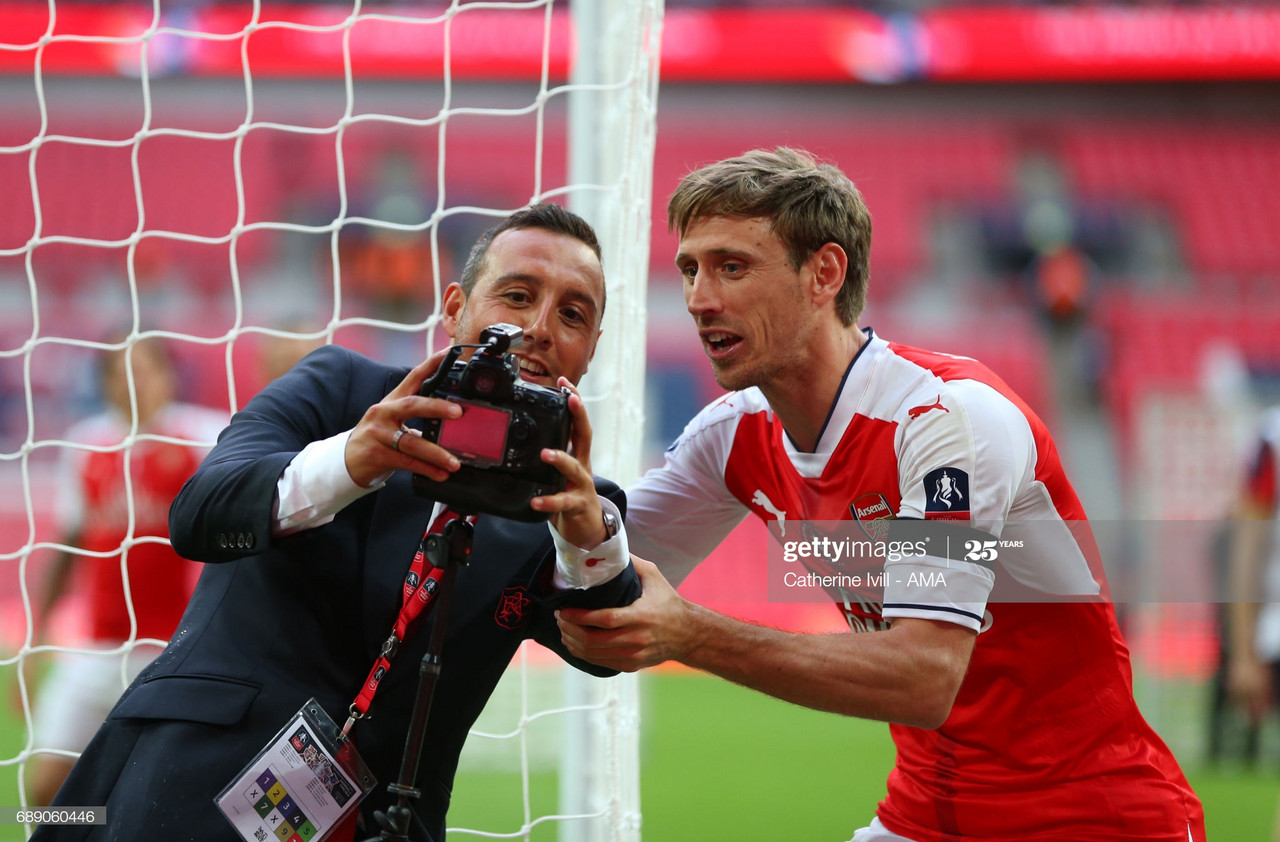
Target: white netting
column 238, row 182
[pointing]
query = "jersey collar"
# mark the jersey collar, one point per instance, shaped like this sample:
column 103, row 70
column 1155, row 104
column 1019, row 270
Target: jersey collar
column 854, row 383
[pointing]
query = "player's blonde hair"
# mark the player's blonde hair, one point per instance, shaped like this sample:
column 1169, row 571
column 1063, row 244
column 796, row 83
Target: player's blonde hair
column 807, row 203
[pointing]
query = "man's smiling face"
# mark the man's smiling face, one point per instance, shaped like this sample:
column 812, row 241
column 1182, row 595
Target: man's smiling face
column 547, row 283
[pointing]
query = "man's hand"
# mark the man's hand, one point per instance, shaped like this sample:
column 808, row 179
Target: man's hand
column 380, row 443
column 656, row 627
column 575, row 512
column 1249, row 684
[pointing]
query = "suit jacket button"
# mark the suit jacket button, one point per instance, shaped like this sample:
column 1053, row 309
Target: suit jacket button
column 222, row 540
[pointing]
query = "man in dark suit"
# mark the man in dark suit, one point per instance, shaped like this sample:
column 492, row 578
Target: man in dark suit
column 307, row 518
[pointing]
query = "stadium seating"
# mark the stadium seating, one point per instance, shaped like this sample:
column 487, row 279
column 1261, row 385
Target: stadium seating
column 1219, row 184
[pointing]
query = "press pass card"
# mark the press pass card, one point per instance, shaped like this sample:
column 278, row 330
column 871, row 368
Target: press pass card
column 301, row 786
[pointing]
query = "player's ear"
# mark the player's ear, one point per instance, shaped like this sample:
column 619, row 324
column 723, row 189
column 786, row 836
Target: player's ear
column 829, row 264
column 454, row 302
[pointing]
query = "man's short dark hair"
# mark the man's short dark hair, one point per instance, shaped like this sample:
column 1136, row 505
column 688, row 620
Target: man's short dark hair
column 544, row 215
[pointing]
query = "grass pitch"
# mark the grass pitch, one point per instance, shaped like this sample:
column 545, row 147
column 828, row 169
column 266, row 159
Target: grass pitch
column 723, row 763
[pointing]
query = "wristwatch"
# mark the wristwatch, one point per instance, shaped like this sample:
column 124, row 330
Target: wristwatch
column 610, row 525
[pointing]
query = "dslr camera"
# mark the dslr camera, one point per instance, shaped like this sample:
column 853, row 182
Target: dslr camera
column 505, row 424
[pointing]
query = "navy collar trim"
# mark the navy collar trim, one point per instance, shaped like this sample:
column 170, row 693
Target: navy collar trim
column 870, row 335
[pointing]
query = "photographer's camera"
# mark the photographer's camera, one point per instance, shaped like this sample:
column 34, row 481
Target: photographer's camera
column 504, row 427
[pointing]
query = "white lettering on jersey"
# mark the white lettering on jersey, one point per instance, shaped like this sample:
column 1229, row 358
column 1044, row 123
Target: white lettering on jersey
column 866, row 617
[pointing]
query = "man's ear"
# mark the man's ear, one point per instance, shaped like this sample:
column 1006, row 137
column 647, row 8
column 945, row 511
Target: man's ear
column 830, row 264
column 454, row 302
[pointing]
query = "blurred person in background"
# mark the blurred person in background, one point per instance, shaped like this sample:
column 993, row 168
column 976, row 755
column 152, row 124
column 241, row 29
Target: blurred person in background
column 277, row 352
column 1252, row 636
column 1014, row 719
column 306, row 516
column 102, row 494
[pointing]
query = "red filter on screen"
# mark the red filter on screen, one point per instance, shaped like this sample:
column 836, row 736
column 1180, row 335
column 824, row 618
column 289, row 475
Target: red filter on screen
column 479, row 436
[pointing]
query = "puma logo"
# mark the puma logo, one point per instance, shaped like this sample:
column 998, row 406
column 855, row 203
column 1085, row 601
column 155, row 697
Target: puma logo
column 917, row 411
column 765, row 503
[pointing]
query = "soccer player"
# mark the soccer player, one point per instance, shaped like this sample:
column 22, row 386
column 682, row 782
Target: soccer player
column 1012, row 720
column 96, row 485
column 1253, row 628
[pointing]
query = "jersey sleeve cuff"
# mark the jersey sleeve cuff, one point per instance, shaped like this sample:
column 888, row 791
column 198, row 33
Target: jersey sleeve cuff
column 577, row 568
column 937, row 589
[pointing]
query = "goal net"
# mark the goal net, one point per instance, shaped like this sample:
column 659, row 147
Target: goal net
column 236, row 183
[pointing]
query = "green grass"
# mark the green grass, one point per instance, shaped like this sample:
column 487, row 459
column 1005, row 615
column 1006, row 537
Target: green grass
column 723, row 763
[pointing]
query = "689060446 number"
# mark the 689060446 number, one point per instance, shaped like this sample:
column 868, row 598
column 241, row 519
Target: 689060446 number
column 53, row 815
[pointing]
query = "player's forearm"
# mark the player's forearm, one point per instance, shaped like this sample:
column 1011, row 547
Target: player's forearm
column 907, row 674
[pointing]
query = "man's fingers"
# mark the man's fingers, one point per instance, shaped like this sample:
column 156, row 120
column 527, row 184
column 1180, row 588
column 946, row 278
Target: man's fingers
column 412, row 383
column 573, row 498
column 580, row 438
column 571, row 466
column 424, row 457
column 621, row 648
column 595, row 618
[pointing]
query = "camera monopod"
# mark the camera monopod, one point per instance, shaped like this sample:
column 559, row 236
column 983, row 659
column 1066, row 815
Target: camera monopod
column 447, row 550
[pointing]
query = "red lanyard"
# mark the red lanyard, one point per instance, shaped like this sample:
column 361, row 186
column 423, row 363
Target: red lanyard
column 420, row 586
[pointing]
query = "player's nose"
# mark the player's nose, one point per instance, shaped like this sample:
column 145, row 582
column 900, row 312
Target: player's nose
column 699, row 295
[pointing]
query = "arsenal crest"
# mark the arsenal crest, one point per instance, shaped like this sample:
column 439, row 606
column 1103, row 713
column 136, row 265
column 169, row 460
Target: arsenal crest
column 873, row 515
column 513, row 608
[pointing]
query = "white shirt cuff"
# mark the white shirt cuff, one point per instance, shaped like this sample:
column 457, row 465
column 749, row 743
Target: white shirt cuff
column 315, row 486
column 577, row 568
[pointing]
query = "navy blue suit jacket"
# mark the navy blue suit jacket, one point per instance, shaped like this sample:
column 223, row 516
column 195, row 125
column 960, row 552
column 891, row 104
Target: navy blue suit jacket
column 275, row 622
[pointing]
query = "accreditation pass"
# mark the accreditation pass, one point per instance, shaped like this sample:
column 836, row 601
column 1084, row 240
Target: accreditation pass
column 297, row 787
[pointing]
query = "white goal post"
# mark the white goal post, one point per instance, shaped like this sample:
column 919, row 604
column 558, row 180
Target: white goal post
column 64, row 150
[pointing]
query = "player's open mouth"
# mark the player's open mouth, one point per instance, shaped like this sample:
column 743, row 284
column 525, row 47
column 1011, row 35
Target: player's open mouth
column 720, row 344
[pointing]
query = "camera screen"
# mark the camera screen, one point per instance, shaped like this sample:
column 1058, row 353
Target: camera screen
column 479, row 436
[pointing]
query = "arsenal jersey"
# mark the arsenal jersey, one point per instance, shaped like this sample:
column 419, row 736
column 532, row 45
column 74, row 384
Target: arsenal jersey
column 117, row 498
column 1044, row 741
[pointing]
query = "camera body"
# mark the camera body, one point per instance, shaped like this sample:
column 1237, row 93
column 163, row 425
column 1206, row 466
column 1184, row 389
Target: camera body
column 505, row 424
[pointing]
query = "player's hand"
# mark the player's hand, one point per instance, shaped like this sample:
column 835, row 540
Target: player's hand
column 380, row 443
column 656, row 627
column 575, row 512
column 1249, row 684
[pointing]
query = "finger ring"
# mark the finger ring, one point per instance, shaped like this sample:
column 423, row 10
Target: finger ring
column 395, row 439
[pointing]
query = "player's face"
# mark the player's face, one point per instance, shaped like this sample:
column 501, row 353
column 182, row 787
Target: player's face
column 549, row 284
column 748, row 302
column 152, row 381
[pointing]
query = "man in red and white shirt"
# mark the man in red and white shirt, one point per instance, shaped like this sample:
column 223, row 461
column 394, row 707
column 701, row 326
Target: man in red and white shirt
column 114, row 498
column 1253, row 618
column 1014, row 719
